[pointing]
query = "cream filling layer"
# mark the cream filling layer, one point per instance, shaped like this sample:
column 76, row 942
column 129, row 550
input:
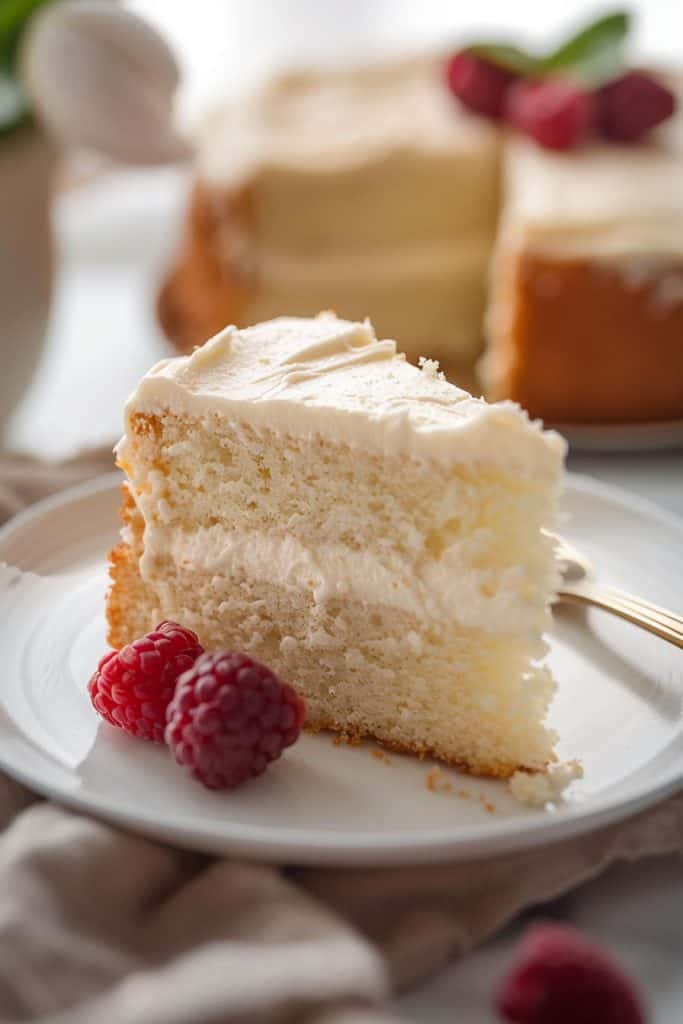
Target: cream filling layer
column 500, row 600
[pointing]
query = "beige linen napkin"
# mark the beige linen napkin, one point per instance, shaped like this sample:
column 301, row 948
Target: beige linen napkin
column 99, row 925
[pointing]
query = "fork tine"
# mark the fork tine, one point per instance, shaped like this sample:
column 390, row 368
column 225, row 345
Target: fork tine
column 624, row 609
column 639, row 603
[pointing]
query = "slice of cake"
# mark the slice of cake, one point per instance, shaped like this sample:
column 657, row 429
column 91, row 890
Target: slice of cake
column 299, row 491
column 586, row 315
column 364, row 190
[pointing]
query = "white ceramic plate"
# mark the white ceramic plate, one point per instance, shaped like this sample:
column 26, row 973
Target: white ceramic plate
column 619, row 709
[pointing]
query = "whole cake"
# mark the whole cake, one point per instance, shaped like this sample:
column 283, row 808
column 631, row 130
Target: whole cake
column 299, row 491
column 374, row 193
column 366, row 191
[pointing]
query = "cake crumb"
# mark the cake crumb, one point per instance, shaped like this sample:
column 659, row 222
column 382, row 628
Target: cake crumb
column 536, row 789
column 430, row 368
column 381, row 756
column 345, row 739
column 436, row 781
column 488, row 806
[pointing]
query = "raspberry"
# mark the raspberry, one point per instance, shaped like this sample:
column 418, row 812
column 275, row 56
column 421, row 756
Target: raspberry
column 132, row 687
column 562, row 978
column 632, row 106
column 479, row 85
column 556, row 114
column 230, row 717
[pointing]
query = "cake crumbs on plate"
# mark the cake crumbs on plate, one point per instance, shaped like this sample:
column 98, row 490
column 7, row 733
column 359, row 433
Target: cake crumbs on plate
column 537, row 789
column 488, row 806
column 380, row 755
column 436, row 782
column 346, row 740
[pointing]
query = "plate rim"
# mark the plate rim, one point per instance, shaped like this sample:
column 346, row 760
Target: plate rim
column 294, row 848
column 297, row 846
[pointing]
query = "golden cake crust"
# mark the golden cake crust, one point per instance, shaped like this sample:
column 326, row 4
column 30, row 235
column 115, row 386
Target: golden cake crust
column 204, row 291
column 582, row 343
column 128, row 593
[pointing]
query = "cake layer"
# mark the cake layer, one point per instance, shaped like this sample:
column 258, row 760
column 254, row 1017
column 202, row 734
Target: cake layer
column 500, row 599
column 467, row 696
column 430, row 295
column 268, row 503
column 349, row 158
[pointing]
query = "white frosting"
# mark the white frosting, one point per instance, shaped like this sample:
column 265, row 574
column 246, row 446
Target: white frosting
column 602, row 200
column 331, row 378
column 338, row 118
column 450, row 589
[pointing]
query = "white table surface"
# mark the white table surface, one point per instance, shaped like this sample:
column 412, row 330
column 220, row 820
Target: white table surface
column 114, row 235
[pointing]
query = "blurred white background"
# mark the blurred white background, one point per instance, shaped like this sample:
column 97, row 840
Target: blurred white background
column 225, row 44
column 115, row 233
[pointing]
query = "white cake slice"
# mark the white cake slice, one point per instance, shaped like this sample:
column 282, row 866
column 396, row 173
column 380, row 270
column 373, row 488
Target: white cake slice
column 299, row 491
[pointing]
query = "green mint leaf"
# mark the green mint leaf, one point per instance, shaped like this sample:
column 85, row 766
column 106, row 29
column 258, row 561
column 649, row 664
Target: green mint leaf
column 595, row 53
column 507, row 56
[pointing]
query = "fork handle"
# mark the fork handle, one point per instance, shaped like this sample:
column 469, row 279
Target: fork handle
column 666, row 625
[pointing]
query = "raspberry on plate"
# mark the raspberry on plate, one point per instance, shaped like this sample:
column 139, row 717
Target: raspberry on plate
column 562, row 978
column 230, row 717
column 631, row 106
column 555, row 113
column 479, row 85
column 132, row 687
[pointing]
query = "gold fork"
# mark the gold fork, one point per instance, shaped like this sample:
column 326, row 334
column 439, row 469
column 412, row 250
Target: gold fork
column 578, row 588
